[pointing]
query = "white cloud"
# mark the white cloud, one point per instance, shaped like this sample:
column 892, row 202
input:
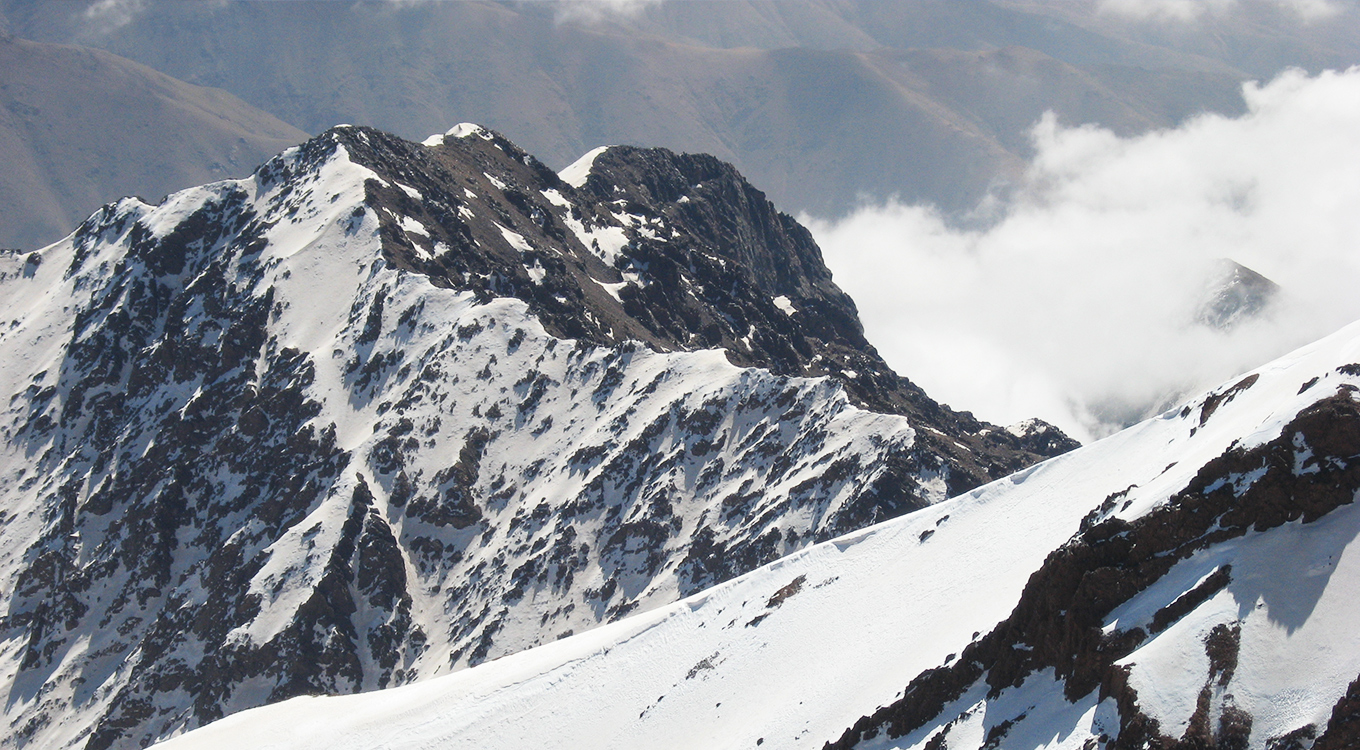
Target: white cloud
column 594, row 11
column 1190, row 10
column 106, row 16
column 1162, row 10
column 1078, row 305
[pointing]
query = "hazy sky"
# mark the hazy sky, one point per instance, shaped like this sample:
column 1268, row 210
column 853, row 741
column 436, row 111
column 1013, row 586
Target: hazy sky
column 1078, row 305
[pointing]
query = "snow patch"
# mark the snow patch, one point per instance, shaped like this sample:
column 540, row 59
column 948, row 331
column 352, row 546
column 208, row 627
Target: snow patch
column 576, row 173
column 411, row 226
column 604, row 242
column 613, row 289
column 556, row 198
column 515, row 239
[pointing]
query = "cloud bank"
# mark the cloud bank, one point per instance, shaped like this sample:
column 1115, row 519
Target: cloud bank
column 104, row 17
column 1191, row 10
column 595, row 11
column 1079, row 304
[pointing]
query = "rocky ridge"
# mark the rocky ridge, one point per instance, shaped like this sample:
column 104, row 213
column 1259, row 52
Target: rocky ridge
column 384, row 410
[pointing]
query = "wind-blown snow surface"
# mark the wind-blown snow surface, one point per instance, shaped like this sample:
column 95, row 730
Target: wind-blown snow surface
column 791, row 654
column 248, row 457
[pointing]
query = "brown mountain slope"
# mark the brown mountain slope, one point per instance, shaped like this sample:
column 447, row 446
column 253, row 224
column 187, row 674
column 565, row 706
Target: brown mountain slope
column 819, row 103
column 79, row 127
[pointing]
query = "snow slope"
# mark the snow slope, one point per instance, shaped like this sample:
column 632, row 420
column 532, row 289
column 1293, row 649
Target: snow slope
column 791, row 654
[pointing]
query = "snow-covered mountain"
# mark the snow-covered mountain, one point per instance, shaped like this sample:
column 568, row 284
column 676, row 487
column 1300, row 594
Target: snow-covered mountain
column 384, row 410
column 1187, row 583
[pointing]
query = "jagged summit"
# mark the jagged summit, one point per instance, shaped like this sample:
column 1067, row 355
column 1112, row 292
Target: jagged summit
column 384, row 410
column 675, row 250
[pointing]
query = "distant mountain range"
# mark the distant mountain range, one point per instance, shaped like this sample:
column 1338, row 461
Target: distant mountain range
column 821, row 104
column 80, row 127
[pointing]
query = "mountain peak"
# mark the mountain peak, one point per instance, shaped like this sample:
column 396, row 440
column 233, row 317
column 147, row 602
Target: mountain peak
column 578, row 172
column 1234, row 294
column 675, row 250
column 384, row 410
column 461, row 130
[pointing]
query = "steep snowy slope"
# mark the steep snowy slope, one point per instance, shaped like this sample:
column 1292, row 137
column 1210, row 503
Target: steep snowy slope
column 1189, row 582
column 384, row 410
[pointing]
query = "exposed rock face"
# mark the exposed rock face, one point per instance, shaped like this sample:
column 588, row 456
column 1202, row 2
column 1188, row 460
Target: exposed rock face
column 384, row 410
column 693, row 257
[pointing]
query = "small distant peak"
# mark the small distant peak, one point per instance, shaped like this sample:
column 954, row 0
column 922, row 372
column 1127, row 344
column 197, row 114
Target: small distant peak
column 1027, row 427
column 1233, row 294
column 1041, row 438
column 469, row 129
column 346, row 132
column 576, row 174
column 461, row 130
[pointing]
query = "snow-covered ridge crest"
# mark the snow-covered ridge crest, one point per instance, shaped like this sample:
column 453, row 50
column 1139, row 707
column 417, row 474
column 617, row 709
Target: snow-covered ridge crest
column 461, row 130
column 576, row 173
column 1233, row 626
column 327, row 429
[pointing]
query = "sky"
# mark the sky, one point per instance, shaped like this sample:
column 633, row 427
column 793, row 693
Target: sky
column 1078, row 304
